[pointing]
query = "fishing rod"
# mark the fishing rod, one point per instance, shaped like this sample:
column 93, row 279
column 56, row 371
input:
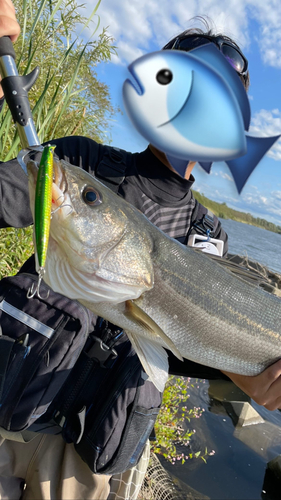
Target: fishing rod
column 15, row 90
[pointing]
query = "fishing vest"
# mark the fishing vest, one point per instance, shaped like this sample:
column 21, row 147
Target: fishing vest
column 64, row 371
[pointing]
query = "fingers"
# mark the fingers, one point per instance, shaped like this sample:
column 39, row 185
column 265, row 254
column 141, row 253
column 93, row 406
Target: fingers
column 271, row 379
column 273, row 372
column 264, row 389
column 10, row 28
column 273, row 405
column 8, row 22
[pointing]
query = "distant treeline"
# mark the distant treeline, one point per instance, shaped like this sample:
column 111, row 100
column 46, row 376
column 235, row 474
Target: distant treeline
column 222, row 211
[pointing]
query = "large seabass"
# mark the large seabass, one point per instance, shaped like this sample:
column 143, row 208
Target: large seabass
column 106, row 254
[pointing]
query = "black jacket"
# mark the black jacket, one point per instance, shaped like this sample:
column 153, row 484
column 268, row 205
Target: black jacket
column 146, row 180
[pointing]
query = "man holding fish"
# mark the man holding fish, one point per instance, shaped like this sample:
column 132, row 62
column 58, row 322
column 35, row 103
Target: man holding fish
column 152, row 195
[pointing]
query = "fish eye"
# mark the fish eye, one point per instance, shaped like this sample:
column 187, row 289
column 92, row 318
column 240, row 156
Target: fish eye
column 164, row 76
column 91, row 196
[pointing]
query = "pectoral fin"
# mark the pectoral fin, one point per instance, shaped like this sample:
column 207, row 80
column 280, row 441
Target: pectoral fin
column 136, row 314
column 153, row 358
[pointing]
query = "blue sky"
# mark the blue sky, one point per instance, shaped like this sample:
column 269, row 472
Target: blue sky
column 142, row 27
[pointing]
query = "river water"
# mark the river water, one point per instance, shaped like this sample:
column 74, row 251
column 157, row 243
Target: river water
column 238, row 468
column 259, row 244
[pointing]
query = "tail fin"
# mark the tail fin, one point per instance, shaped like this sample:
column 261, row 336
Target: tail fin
column 178, row 164
column 242, row 167
column 206, row 165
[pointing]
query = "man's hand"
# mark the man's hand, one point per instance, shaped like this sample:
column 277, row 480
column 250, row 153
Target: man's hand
column 8, row 24
column 264, row 389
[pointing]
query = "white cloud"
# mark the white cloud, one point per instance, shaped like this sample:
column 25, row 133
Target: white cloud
column 277, row 196
column 268, row 123
column 126, row 53
column 138, row 24
column 255, row 199
column 221, row 174
column 252, row 200
column 268, row 15
column 259, row 205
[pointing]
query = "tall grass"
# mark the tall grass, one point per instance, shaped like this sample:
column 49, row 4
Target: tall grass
column 67, row 97
column 15, row 247
column 60, row 37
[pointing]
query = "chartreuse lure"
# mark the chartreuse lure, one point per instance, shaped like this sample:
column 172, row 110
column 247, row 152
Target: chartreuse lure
column 42, row 213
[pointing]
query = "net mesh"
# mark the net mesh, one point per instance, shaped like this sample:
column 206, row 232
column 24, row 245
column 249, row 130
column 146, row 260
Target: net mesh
column 159, row 485
column 251, row 271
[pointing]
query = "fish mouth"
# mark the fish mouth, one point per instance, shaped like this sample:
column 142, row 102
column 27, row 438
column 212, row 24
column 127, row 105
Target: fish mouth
column 134, row 82
column 180, row 110
column 59, row 179
column 60, row 198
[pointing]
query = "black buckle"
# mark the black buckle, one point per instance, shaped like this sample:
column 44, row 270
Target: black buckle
column 205, row 225
column 100, row 352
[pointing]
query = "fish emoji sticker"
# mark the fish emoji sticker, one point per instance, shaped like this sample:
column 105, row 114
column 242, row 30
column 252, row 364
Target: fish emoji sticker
column 193, row 107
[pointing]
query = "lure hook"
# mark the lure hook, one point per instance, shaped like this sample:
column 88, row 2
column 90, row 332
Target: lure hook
column 35, row 288
column 62, row 206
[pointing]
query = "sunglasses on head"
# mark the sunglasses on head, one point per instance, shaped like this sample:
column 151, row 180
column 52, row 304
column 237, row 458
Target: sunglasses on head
column 232, row 53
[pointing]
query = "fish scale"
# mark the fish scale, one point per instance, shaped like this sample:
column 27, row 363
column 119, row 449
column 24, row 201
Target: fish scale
column 164, row 295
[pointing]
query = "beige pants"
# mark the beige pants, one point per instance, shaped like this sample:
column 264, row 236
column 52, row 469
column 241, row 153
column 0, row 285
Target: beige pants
column 47, row 468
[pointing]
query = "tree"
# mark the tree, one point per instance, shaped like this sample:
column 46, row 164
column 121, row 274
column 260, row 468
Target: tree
column 67, row 97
